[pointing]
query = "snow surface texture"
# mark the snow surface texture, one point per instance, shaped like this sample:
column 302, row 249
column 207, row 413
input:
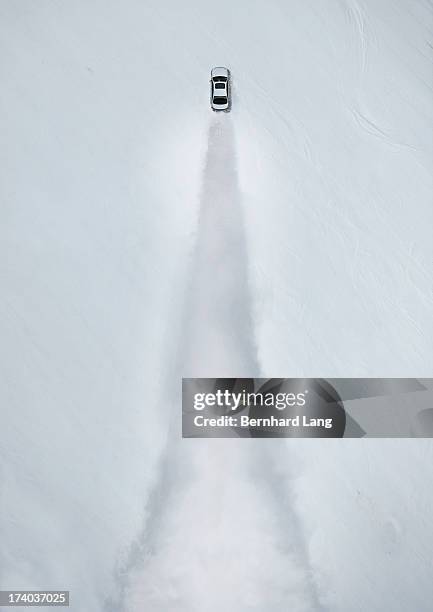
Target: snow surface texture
column 131, row 254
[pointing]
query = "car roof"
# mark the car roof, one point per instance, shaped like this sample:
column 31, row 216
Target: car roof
column 219, row 71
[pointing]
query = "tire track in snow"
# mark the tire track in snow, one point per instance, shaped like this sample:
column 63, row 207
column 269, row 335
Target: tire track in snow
column 216, row 535
column 219, row 336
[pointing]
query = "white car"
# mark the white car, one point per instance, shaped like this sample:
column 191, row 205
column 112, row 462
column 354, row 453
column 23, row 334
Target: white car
column 220, row 94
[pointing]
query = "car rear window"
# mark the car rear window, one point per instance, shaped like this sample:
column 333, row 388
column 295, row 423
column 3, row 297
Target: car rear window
column 219, row 100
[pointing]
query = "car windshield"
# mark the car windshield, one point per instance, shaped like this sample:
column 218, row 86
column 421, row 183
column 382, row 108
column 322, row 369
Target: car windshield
column 219, row 86
column 220, row 100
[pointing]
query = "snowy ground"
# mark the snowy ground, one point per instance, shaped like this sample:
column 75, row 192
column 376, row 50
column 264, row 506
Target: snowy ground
column 131, row 253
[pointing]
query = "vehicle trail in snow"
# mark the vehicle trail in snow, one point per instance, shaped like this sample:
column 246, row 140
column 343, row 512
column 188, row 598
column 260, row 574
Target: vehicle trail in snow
column 219, row 336
column 215, row 537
